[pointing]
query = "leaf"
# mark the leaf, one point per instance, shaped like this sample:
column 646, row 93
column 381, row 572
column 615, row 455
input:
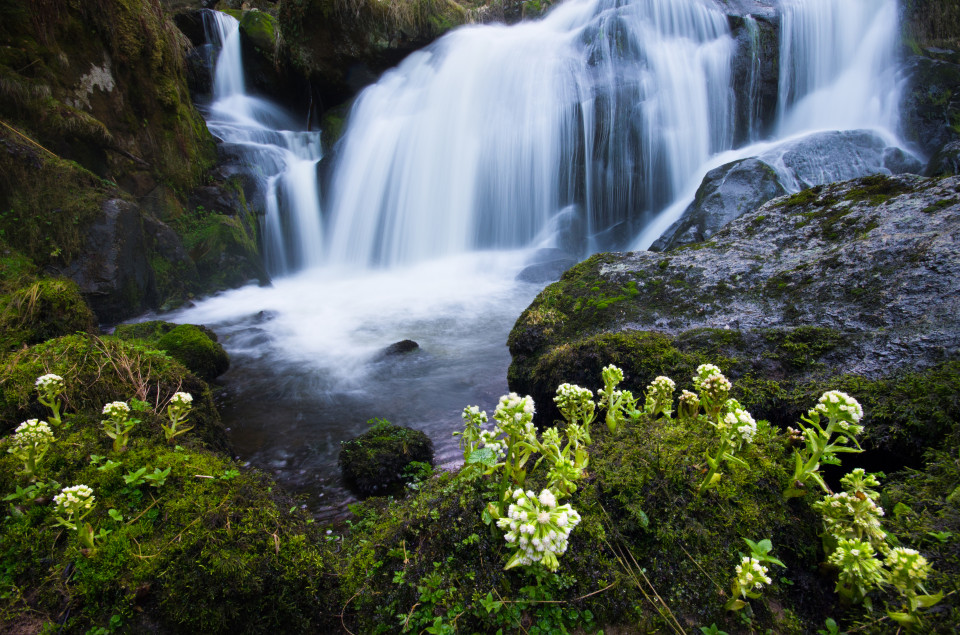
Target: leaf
column 902, row 618
column 483, row 456
column 735, row 604
column 926, row 601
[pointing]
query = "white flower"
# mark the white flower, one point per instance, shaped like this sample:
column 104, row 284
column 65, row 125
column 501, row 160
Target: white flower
column 181, row 399
column 547, row 498
column 116, row 409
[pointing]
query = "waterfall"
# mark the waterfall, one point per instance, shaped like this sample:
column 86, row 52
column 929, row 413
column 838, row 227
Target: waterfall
column 478, row 141
column 282, row 159
column 837, row 65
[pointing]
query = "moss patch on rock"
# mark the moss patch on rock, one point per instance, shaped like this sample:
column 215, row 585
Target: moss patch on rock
column 195, row 347
column 45, row 309
column 375, row 461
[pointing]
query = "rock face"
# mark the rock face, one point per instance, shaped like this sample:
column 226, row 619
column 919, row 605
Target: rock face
column 849, row 283
column 742, row 186
column 930, row 106
column 946, row 162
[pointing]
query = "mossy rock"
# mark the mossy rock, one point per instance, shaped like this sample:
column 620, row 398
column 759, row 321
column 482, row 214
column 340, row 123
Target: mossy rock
column 195, row 347
column 374, row 462
column 98, row 370
column 261, row 29
column 48, row 308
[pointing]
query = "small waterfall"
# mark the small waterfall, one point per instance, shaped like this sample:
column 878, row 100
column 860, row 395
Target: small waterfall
column 282, row 159
column 837, row 65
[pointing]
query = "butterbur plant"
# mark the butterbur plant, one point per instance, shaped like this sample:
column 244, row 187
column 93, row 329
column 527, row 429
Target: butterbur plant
column 659, row 398
column 843, row 414
column 118, row 423
column 736, row 428
column 30, row 443
column 537, row 528
column 178, row 410
column 713, row 389
column 72, row 505
column 906, row 570
column 49, row 388
column 853, row 513
column 751, row 574
column 620, row 404
column 859, row 569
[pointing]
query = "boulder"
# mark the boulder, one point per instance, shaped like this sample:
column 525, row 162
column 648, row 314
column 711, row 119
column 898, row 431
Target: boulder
column 725, row 193
column 375, row 462
column 196, row 347
column 853, row 286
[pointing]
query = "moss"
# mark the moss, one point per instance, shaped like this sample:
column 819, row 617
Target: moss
column 223, row 247
column 261, row 29
column 42, row 310
column 195, row 347
column 377, row 459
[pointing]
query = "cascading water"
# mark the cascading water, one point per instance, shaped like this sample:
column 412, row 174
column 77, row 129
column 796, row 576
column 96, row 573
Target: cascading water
column 573, row 132
column 264, row 136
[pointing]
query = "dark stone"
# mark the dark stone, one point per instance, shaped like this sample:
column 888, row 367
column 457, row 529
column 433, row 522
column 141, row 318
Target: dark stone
column 755, row 74
column 374, row 462
column 900, row 162
column 113, row 271
column 725, row 193
column 399, row 348
column 946, row 161
column 547, row 265
column 930, row 104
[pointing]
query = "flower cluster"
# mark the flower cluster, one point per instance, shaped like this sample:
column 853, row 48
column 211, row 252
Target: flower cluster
column 751, row 576
column 688, row 405
column 537, row 528
column 743, row 427
column 854, row 513
column 841, row 407
column 713, row 388
column 117, row 425
column 907, row 569
column 575, row 403
column 75, row 503
column 33, row 434
column 859, row 568
column 49, row 388
column 117, row 410
column 514, row 415
column 660, row 397
column 30, row 443
column 620, row 404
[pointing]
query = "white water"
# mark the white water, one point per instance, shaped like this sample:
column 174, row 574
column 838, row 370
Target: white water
column 282, row 159
column 586, row 130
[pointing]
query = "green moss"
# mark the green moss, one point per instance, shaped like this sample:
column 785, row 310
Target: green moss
column 876, row 189
column 42, row 310
column 375, row 461
column 195, row 347
column 260, row 27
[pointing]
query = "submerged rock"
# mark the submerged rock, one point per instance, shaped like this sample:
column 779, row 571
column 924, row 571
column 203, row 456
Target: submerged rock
column 851, row 284
column 399, row 348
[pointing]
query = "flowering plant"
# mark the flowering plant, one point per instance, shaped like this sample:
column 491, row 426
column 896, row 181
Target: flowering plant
column 49, row 388
column 118, row 424
column 736, row 428
column 620, row 404
column 853, row 514
column 537, row 528
column 843, row 414
column 30, row 443
column 659, row 398
column 72, row 505
column 751, row 575
column 907, row 570
column 178, row 410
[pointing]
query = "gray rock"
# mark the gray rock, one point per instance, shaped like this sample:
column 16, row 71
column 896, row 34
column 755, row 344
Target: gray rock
column 725, row 193
column 930, row 103
column 946, row 162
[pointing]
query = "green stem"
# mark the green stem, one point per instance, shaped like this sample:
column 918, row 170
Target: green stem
column 714, row 464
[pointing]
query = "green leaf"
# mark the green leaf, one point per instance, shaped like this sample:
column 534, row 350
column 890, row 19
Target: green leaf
column 926, row 601
column 902, row 618
column 483, row 456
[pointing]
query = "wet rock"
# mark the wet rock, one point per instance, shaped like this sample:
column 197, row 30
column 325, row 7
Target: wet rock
column 400, row 348
column 547, row 265
column 930, row 103
column 946, row 161
column 725, row 193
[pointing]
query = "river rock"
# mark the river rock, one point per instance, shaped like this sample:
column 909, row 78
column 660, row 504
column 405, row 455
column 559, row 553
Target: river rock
column 725, row 193
column 375, row 462
column 399, row 348
column 839, row 285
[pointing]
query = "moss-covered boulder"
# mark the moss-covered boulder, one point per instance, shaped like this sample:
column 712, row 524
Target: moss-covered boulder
column 850, row 285
column 377, row 460
column 48, row 308
column 195, row 347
